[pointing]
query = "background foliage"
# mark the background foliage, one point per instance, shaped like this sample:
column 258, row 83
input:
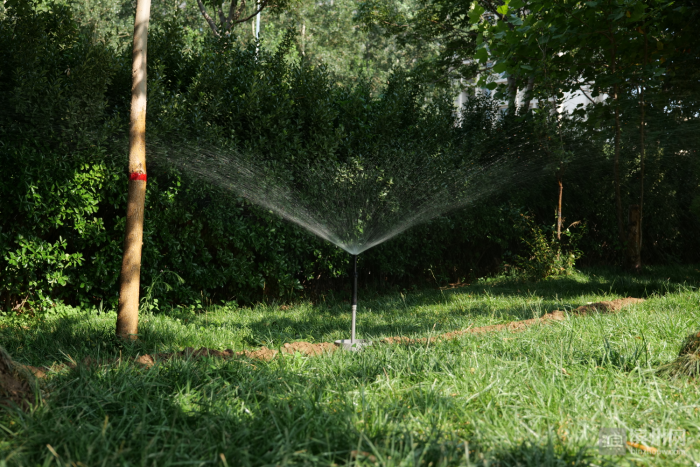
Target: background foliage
column 64, row 94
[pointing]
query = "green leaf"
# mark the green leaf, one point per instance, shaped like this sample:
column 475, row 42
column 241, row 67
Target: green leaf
column 638, row 12
column 491, row 86
column 503, row 9
column 517, row 4
column 475, row 13
column 500, row 67
column 481, row 55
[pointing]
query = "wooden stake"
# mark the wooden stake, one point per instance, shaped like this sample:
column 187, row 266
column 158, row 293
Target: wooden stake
column 561, row 189
column 130, row 280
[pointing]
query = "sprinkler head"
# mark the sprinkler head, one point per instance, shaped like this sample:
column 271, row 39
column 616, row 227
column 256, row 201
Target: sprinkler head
column 352, row 345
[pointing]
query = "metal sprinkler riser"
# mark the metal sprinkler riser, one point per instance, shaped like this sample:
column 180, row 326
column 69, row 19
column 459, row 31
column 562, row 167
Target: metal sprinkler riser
column 353, row 344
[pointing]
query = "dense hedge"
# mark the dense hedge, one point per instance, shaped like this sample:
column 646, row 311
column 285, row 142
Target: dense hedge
column 63, row 114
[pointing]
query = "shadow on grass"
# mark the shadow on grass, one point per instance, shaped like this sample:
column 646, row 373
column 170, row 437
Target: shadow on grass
column 76, row 337
column 592, row 281
column 658, row 280
column 257, row 414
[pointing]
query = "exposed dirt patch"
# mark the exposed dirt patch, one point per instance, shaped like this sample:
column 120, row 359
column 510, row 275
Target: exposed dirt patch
column 513, row 327
column 263, row 354
column 34, row 370
column 309, row 349
column 306, row 348
column 691, row 345
column 688, row 361
column 15, row 388
column 607, row 307
column 145, row 360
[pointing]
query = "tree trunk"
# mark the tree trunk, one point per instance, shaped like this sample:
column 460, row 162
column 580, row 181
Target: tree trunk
column 633, row 233
column 618, row 195
column 128, row 313
column 527, row 98
column 512, row 90
column 561, row 190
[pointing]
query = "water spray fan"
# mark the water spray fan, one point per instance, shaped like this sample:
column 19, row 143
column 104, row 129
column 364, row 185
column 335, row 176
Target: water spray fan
column 353, row 344
column 359, row 201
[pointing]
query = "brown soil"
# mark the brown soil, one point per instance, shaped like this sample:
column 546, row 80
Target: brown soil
column 691, row 345
column 309, row 349
column 688, row 361
column 306, row 348
column 513, row 327
column 15, row 388
column 604, row 307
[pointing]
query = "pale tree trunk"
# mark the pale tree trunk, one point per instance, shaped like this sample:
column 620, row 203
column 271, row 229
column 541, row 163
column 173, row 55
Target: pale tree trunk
column 128, row 313
column 527, row 98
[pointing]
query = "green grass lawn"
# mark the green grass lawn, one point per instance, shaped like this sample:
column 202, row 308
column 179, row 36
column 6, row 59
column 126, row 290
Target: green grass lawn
column 535, row 398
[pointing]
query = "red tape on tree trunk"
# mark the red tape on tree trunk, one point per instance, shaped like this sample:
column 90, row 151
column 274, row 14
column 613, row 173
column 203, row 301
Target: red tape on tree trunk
column 135, row 176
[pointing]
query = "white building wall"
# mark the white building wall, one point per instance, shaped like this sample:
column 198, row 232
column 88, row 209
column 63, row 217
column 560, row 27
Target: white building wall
column 570, row 102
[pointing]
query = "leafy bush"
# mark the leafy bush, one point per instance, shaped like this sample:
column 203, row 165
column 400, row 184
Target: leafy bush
column 61, row 229
column 64, row 101
column 547, row 255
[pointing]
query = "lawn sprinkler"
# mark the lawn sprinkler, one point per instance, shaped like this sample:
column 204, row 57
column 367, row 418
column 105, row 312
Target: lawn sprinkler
column 352, row 343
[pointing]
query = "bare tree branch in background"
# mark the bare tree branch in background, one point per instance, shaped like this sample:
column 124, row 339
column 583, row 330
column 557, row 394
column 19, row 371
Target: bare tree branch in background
column 235, row 15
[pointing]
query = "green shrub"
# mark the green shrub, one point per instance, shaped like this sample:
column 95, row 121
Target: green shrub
column 64, row 102
column 547, row 255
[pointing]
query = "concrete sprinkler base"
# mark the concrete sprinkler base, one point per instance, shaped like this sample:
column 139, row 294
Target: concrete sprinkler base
column 353, row 346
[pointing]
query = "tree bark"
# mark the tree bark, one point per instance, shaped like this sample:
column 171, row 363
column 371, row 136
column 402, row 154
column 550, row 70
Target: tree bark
column 561, row 190
column 234, row 17
column 512, row 90
column 618, row 194
column 209, row 20
column 633, row 232
column 127, row 315
column 527, row 98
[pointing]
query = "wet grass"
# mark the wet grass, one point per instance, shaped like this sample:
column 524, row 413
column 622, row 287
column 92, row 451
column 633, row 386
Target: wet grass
column 538, row 397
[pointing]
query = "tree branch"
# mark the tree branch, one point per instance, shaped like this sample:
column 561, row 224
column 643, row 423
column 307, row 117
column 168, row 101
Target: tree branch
column 240, row 11
column 584, row 93
column 231, row 12
column 493, row 10
column 211, row 22
column 263, row 5
column 222, row 18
